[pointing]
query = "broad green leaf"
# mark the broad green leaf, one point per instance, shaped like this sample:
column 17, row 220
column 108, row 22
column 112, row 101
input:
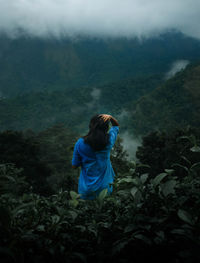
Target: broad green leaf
column 180, row 166
column 73, row 202
column 22, row 207
column 82, row 228
column 195, row 149
column 118, row 246
column 134, row 191
column 129, row 180
column 159, row 178
column 73, row 214
column 41, row 228
column 168, row 187
column 195, row 166
column 74, row 195
column 183, row 138
column 102, row 194
column 55, row 219
column 129, row 228
column 169, row 171
column 186, row 160
column 185, row 216
column 143, row 178
column 143, row 238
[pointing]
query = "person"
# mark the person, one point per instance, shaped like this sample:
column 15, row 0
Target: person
column 92, row 154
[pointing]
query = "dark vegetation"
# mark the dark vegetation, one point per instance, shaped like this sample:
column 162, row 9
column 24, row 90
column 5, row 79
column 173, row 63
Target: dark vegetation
column 41, row 110
column 175, row 103
column 149, row 103
column 153, row 212
column 31, row 64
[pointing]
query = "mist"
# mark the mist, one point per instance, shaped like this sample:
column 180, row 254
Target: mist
column 130, row 144
column 110, row 18
column 177, row 66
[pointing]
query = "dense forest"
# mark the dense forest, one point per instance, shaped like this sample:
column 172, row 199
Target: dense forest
column 30, row 64
column 152, row 213
column 49, row 91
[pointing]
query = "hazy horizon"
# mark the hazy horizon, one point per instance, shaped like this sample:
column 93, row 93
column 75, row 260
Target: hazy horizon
column 110, row 18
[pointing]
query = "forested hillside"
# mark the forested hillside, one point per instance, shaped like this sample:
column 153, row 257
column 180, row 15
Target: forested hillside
column 49, row 91
column 72, row 107
column 176, row 103
column 34, row 64
column 142, row 104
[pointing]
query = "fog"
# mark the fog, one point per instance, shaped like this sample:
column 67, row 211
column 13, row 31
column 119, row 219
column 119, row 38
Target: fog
column 177, row 66
column 130, row 144
column 112, row 18
column 95, row 95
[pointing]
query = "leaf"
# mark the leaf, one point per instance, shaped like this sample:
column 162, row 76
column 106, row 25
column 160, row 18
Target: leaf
column 73, row 214
column 143, row 178
column 186, row 160
column 55, row 219
column 195, row 166
column 183, row 138
column 180, row 166
column 82, row 228
column 74, row 195
column 195, row 149
column 143, row 238
column 73, row 202
column 168, row 187
column 159, row 178
column 102, row 195
column 169, row 171
column 134, row 191
column 129, row 228
column 129, row 180
column 41, row 228
column 185, row 216
column 21, row 208
column 118, row 246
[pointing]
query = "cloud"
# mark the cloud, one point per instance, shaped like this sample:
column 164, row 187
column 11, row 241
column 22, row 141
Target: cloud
column 177, row 66
column 95, row 94
column 141, row 18
column 130, row 144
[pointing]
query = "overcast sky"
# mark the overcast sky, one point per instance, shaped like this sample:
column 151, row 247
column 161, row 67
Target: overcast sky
column 129, row 18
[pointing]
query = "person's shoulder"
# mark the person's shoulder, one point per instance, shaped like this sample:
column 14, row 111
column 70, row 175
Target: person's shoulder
column 79, row 141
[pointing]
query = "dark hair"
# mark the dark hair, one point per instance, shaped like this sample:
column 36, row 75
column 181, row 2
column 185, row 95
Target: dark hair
column 97, row 136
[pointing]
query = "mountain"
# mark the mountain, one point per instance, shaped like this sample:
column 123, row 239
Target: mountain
column 176, row 103
column 31, row 64
column 74, row 108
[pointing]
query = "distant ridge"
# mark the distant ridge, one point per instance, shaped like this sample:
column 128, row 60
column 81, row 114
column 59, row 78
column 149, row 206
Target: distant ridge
column 31, row 64
column 176, row 103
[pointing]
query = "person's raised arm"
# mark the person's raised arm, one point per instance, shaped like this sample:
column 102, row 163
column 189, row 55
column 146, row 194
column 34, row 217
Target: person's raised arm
column 107, row 117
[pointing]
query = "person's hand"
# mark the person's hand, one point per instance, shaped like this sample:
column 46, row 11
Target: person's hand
column 106, row 117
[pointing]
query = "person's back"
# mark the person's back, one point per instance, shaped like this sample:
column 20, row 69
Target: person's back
column 92, row 153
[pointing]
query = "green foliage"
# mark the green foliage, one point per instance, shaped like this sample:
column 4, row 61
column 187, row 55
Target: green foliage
column 21, row 150
column 145, row 217
column 175, row 104
column 55, row 64
column 162, row 150
column 11, row 180
column 45, row 158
